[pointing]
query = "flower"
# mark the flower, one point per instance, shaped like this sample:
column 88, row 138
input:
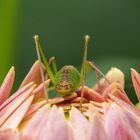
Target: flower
column 106, row 112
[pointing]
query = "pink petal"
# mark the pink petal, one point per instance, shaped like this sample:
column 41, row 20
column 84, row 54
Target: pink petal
column 56, row 126
column 14, row 120
column 131, row 108
column 35, row 126
column 47, row 125
column 6, row 86
column 39, row 91
column 90, row 94
column 131, row 119
column 33, row 75
column 16, row 95
column 115, row 125
column 96, row 127
column 131, row 116
column 117, row 91
column 132, row 123
column 13, row 106
column 93, row 108
column 113, row 75
column 35, row 107
column 111, row 87
column 106, row 107
column 136, row 82
column 79, row 125
column 9, row 135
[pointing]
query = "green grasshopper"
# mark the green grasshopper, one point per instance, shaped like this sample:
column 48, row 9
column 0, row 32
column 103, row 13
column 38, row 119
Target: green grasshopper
column 68, row 79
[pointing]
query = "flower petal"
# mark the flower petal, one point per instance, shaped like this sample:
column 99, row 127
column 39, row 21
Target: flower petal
column 90, row 94
column 16, row 95
column 39, row 91
column 33, row 75
column 56, row 126
column 132, row 122
column 47, row 124
column 6, row 86
column 115, row 125
column 96, row 127
column 138, row 106
column 126, row 106
column 13, row 106
column 8, row 134
column 79, row 125
column 35, row 107
column 117, row 91
column 136, row 82
column 113, row 75
column 14, row 120
column 30, row 113
column 35, row 126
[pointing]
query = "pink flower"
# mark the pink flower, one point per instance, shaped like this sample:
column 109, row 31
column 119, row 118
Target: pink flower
column 106, row 112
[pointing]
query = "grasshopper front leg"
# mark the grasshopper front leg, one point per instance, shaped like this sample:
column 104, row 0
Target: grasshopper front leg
column 52, row 62
column 46, row 63
column 39, row 51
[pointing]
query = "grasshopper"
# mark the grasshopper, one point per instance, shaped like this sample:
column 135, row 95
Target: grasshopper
column 68, row 79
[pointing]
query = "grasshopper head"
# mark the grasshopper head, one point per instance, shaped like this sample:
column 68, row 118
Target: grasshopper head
column 63, row 87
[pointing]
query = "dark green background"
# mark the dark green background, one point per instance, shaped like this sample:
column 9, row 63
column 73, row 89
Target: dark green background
column 114, row 27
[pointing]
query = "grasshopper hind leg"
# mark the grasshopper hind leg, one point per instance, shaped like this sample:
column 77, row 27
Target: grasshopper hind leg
column 97, row 72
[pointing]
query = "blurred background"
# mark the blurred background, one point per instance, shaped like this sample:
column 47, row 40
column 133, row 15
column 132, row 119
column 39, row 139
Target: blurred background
column 114, row 27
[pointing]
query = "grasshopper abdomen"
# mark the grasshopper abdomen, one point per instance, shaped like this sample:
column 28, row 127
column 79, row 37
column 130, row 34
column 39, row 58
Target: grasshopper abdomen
column 67, row 80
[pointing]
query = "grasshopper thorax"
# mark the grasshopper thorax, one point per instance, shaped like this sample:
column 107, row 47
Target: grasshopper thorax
column 67, row 80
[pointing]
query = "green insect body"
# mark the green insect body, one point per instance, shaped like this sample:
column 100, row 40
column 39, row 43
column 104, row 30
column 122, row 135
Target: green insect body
column 67, row 80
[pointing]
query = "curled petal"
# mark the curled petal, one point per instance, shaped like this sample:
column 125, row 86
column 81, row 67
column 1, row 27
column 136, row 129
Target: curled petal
column 136, row 82
column 117, row 91
column 90, row 94
column 111, row 87
column 6, row 86
column 113, row 75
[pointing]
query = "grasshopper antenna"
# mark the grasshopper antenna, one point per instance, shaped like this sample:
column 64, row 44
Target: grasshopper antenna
column 36, row 39
column 83, row 71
